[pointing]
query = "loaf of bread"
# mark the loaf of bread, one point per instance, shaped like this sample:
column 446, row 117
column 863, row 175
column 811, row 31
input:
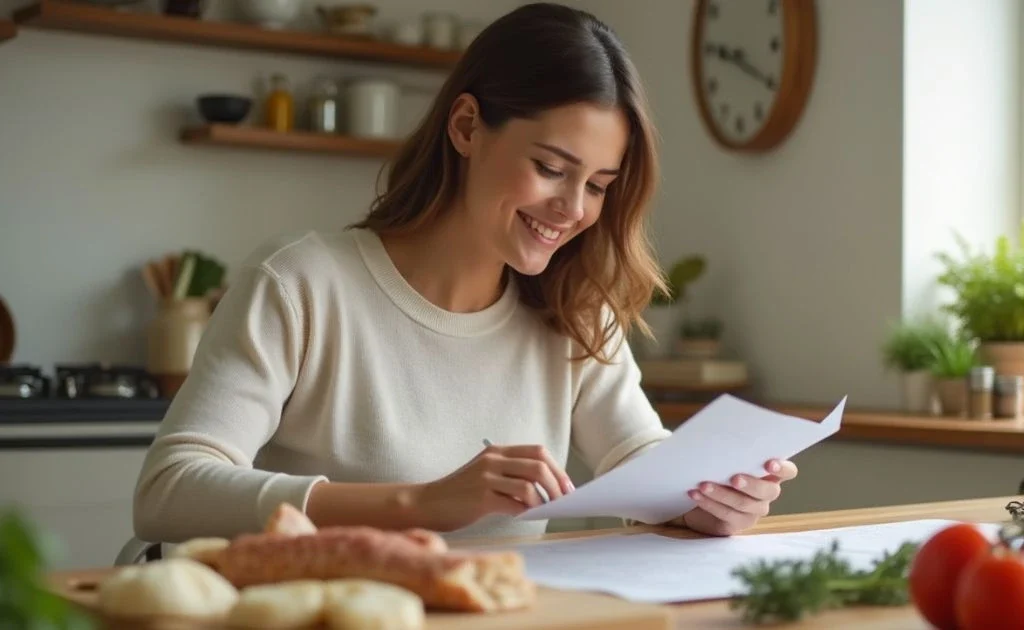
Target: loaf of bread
column 417, row 560
column 355, row 604
column 172, row 589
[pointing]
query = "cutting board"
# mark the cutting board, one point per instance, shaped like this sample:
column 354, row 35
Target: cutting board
column 554, row 610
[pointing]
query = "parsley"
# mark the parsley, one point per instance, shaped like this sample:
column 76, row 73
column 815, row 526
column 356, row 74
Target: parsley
column 789, row 590
column 24, row 602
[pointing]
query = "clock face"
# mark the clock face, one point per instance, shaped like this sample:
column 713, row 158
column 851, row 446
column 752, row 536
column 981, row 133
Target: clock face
column 740, row 64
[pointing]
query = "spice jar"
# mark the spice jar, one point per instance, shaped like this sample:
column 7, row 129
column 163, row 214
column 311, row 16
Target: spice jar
column 280, row 105
column 1009, row 394
column 323, row 106
column 982, row 382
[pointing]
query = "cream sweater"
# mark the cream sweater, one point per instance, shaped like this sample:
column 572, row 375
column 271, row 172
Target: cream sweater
column 321, row 362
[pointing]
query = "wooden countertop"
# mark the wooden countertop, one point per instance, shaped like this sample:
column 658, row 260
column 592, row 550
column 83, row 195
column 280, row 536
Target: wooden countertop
column 570, row 610
column 998, row 435
column 716, row 614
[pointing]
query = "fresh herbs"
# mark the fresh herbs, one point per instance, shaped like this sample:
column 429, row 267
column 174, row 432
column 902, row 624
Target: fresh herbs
column 24, row 602
column 789, row 590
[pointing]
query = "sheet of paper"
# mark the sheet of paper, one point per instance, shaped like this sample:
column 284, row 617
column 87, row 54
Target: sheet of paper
column 658, row 569
column 727, row 437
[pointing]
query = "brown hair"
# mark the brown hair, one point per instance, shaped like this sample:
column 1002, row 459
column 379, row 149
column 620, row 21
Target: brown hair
column 537, row 57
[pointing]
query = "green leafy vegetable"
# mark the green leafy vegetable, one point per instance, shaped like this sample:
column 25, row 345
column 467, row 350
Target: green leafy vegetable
column 789, row 590
column 24, row 602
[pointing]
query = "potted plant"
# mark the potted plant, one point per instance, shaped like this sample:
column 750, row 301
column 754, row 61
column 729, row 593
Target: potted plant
column 954, row 356
column 908, row 349
column 662, row 314
column 989, row 301
column 700, row 338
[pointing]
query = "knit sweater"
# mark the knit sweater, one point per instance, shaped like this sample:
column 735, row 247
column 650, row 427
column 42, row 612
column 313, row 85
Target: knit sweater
column 322, row 363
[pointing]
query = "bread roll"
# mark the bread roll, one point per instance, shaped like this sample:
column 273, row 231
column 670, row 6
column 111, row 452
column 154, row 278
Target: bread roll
column 285, row 605
column 289, row 521
column 355, row 604
column 175, row 587
column 202, row 550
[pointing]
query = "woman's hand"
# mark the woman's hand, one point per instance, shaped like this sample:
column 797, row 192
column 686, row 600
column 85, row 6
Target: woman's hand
column 498, row 480
column 726, row 510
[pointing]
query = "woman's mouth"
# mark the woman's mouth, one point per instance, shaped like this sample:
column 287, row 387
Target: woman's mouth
column 543, row 233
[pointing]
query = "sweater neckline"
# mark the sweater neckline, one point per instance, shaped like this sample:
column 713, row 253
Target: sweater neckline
column 419, row 308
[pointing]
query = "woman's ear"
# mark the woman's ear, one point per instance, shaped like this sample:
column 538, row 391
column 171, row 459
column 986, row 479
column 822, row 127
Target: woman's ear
column 463, row 121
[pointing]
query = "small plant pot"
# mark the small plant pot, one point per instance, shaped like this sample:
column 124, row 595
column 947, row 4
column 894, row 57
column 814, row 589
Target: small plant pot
column 918, row 391
column 698, row 348
column 952, row 396
column 1006, row 357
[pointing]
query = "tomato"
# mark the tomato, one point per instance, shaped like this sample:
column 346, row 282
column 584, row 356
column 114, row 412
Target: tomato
column 936, row 569
column 990, row 594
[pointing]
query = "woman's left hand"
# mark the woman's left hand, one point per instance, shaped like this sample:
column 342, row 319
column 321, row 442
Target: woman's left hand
column 724, row 510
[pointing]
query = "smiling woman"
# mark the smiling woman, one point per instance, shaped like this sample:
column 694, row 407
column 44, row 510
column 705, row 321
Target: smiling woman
column 487, row 294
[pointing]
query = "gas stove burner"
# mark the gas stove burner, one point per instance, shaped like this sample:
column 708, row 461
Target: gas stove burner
column 23, row 381
column 96, row 380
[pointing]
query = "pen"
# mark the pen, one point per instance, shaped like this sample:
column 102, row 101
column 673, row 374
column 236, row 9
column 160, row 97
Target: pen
column 540, row 490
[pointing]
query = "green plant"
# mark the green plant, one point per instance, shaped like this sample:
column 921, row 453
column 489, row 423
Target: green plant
column 989, row 290
column 24, row 601
column 909, row 345
column 953, row 357
column 684, row 272
column 707, row 328
column 789, row 590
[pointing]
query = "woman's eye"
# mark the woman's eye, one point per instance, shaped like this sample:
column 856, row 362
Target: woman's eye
column 595, row 189
column 546, row 170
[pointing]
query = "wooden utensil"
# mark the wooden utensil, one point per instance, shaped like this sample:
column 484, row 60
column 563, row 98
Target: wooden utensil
column 6, row 333
column 149, row 275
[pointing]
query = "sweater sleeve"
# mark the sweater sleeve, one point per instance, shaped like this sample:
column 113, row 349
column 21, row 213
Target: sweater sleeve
column 612, row 416
column 198, row 478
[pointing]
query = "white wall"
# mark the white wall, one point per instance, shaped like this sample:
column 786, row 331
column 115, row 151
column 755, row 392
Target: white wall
column 94, row 181
column 803, row 243
column 961, row 135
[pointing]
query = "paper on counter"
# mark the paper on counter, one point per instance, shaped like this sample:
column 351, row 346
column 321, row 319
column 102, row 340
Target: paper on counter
column 658, row 569
column 727, row 437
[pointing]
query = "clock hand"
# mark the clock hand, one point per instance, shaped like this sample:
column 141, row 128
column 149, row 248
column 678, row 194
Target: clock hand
column 737, row 58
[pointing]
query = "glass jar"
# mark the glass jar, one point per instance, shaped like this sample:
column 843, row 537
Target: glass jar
column 1009, row 394
column 323, row 106
column 280, row 106
column 982, row 381
column 440, row 30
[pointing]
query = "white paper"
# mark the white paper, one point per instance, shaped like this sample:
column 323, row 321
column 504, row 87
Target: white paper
column 727, row 437
column 659, row 569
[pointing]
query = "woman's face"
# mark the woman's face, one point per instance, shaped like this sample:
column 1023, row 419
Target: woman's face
column 533, row 185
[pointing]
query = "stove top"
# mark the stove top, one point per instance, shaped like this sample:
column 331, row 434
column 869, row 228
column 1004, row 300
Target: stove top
column 77, row 381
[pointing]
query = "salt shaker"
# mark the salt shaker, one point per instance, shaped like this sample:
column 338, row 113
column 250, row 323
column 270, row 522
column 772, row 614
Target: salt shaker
column 1009, row 392
column 323, row 106
column 982, row 381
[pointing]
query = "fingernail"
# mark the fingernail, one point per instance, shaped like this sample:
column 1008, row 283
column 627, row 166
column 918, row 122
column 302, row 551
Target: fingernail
column 707, row 488
column 774, row 467
column 694, row 494
column 571, row 486
column 740, row 482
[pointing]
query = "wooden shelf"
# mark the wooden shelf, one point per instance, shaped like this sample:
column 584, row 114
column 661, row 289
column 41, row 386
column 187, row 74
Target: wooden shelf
column 7, row 30
column 81, row 18
column 262, row 138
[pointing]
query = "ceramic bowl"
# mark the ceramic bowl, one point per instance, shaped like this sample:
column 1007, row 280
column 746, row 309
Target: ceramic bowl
column 272, row 14
column 224, row 108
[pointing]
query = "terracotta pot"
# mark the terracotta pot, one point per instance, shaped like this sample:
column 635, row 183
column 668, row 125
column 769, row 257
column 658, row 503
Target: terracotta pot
column 1007, row 357
column 952, row 396
column 918, row 391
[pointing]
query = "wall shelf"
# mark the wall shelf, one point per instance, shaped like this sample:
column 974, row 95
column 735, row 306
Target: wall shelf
column 7, row 30
column 263, row 138
column 81, row 18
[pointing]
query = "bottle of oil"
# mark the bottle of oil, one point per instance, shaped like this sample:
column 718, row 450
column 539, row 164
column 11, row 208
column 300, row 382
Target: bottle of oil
column 280, row 106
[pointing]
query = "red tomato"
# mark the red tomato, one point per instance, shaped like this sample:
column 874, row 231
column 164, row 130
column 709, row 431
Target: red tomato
column 990, row 594
column 936, row 568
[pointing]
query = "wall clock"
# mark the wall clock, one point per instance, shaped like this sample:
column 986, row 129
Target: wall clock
column 752, row 64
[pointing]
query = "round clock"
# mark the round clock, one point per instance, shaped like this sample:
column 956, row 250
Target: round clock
column 752, row 65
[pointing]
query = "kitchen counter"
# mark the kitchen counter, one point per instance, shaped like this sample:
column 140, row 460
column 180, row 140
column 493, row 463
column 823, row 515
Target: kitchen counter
column 83, row 423
column 712, row 614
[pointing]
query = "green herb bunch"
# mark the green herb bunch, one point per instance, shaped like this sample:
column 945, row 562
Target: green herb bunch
column 789, row 590
column 954, row 356
column 24, row 602
column 910, row 345
column 988, row 290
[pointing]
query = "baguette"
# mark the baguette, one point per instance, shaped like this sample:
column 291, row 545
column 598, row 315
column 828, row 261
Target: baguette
column 414, row 560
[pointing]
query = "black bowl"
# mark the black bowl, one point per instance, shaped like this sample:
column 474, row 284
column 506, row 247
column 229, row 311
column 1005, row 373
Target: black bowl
column 223, row 108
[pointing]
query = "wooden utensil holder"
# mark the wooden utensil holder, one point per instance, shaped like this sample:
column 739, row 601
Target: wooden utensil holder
column 173, row 337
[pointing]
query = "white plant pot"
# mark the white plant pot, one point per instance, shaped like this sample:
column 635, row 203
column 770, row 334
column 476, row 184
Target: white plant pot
column 271, row 14
column 664, row 322
column 918, row 392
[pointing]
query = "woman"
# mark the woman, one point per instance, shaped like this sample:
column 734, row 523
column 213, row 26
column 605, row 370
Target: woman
column 486, row 296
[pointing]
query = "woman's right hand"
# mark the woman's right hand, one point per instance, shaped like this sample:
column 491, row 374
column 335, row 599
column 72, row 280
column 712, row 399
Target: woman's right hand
column 498, row 480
